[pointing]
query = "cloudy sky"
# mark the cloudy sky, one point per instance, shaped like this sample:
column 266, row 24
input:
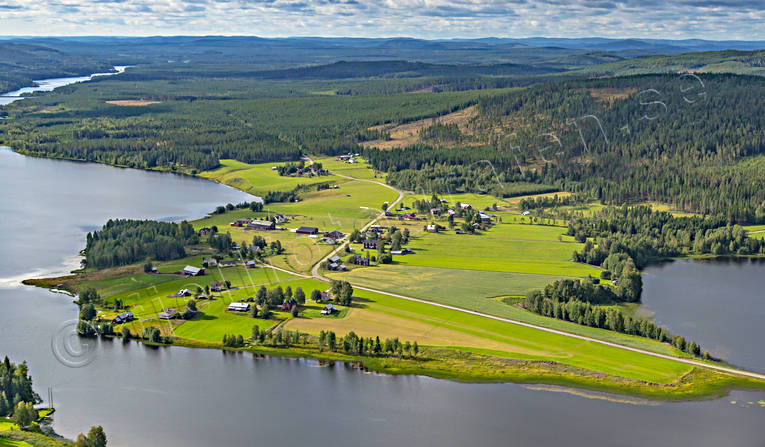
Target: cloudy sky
column 673, row 19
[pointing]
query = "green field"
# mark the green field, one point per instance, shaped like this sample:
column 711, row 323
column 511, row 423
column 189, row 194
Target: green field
column 433, row 283
column 477, row 201
column 360, row 169
column 12, row 442
column 382, row 315
column 258, row 179
column 516, row 248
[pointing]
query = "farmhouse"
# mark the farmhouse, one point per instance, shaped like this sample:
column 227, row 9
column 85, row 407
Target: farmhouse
column 238, row 307
column 359, row 260
column 334, row 259
column 184, row 292
column 167, row 314
column 193, row 271
column 211, row 262
column 337, row 267
column 526, row 213
column 227, row 263
column 250, row 264
column 205, row 231
column 307, row 230
column 289, row 304
column 123, row 318
column 371, row 244
column 465, row 206
column 280, row 218
column 329, row 309
column 485, row 218
column 435, row 211
column 324, row 296
column 433, row 228
column 334, row 235
column 216, row 286
column 262, row 225
column 409, row 216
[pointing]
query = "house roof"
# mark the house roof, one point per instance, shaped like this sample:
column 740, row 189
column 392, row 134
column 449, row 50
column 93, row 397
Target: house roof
column 308, row 229
column 191, row 270
column 334, row 258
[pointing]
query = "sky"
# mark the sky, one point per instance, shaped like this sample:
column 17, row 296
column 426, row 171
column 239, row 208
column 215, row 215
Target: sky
column 430, row 19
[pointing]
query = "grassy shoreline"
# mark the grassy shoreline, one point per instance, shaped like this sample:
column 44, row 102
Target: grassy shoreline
column 468, row 367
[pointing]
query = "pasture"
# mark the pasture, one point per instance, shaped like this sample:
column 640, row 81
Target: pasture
column 258, row 179
column 376, row 314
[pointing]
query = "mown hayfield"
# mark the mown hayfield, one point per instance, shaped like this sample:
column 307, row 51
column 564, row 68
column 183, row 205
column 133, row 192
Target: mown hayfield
column 360, row 169
column 258, row 179
column 504, row 248
column 477, row 201
column 332, row 209
column 377, row 314
column 4, row 442
column 433, row 282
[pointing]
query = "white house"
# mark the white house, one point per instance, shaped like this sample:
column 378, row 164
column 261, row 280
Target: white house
column 238, row 307
column 193, row 271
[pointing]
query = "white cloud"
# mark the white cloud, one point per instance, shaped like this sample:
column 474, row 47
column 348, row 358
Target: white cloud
column 713, row 19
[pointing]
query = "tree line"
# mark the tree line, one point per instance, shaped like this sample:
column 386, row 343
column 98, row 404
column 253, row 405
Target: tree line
column 553, row 304
column 125, row 241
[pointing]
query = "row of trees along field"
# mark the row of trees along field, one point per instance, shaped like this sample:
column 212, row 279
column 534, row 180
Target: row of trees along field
column 124, row 241
column 621, row 240
column 695, row 142
column 568, row 300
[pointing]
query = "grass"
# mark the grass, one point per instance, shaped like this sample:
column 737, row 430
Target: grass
column 350, row 206
column 8, row 424
column 434, row 282
column 376, row 314
column 258, row 179
column 4, row 442
column 477, row 201
column 516, row 248
column 360, row 170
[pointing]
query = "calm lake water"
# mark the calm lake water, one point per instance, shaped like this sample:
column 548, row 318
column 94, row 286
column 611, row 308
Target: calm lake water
column 47, row 85
column 719, row 303
column 183, row 397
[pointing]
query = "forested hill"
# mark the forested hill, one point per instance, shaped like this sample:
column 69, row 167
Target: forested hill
column 196, row 123
column 21, row 63
column 366, row 69
column 729, row 61
column 695, row 142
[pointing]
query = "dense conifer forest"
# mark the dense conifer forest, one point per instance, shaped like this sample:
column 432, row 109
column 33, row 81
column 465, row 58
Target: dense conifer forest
column 123, row 242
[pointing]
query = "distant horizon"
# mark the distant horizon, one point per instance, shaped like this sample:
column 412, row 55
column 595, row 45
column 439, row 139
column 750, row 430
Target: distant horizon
column 391, row 37
column 718, row 20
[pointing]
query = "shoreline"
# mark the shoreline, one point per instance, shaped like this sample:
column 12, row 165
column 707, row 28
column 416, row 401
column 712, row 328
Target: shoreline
column 581, row 379
column 697, row 385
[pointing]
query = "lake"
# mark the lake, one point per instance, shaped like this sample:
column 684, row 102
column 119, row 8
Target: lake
column 175, row 396
column 47, row 85
column 719, row 303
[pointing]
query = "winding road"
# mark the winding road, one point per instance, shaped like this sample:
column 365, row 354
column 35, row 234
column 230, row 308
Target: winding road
column 316, row 275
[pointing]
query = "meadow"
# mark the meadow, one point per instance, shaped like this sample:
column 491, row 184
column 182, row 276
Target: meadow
column 377, row 314
column 259, row 179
